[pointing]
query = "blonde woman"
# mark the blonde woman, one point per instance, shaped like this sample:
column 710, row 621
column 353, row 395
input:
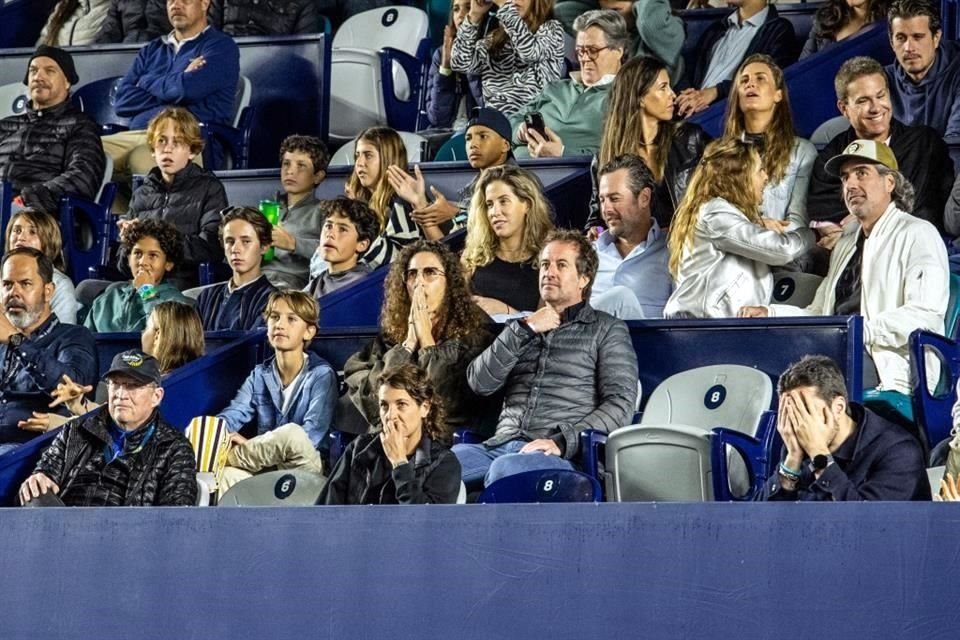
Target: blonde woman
column 509, row 219
column 378, row 149
column 721, row 249
column 34, row 228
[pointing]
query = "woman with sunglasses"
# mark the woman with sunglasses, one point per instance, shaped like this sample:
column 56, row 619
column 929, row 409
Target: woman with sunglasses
column 429, row 319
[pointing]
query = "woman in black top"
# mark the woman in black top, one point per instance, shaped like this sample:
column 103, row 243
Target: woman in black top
column 509, row 219
column 404, row 462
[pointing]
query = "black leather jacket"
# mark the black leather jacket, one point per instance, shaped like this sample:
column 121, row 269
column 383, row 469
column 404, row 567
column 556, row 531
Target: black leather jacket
column 686, row 147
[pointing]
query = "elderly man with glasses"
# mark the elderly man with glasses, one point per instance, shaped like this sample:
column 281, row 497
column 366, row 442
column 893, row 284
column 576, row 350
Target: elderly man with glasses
column 572, row 109
column 123, row 454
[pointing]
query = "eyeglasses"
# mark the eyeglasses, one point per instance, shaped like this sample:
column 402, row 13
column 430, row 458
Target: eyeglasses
column 590, row 53
column 429, row 274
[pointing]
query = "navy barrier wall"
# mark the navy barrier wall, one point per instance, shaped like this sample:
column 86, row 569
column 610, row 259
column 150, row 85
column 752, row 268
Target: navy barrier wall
column 559, row 571
column 201, row 387
column 566, row 181
column 810, row 82
column 290, row 77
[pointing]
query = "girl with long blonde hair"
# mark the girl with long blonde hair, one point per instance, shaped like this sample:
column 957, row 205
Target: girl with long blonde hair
column 379, row 148
column 38, row 229
column 758, row 109
column 721, row 249
column 509, row 219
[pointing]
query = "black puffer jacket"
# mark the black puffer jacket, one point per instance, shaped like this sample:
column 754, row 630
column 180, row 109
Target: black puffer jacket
column 162, row 473
column 686, row 147
column 264, row 17
column 192, row 203
column 134, row 21
column 49, row 153
column 364, row 475
column 581, row 375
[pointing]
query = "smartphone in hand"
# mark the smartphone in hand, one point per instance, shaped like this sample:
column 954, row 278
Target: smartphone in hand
column 535, row 121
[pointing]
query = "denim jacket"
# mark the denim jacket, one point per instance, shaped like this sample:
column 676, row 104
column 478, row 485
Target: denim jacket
column 260, row 400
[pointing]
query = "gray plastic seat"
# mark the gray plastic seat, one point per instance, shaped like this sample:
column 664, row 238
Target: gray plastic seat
column 13, row 99
column 282, row 488
column 829, row 130
column 667, row 456
column 795, row 288
column 413, row 142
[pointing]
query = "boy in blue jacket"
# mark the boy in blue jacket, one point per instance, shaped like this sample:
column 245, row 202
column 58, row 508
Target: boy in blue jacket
column 290, row 398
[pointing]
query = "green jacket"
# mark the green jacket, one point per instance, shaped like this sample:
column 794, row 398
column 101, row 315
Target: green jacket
column 120, row 309
column 572, row 110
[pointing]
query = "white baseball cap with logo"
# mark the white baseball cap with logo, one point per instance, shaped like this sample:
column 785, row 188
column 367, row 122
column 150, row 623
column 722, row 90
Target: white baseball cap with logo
column 870, row 150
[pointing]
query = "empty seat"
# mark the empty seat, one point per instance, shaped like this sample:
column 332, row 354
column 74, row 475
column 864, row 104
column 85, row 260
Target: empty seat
column 378, row 62
column 413, row 142
column 283, row 488
column 543, row 486
column 795, row 288
column 13, row 99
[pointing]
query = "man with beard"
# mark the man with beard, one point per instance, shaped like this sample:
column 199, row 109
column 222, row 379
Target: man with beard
column 51, row 149
column 36, row 350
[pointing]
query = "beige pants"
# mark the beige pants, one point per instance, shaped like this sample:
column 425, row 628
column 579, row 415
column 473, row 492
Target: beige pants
column 286, row 447
column 130, row 154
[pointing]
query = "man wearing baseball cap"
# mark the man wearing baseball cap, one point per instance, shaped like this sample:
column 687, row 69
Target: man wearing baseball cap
column 52, row 148
column 888, row 266
column 123, row 454
column 487, row 141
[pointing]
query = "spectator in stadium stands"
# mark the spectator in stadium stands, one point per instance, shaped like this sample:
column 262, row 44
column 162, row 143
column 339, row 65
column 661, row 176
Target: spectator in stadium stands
column 36, row 349
column 53, row 149
column 238, row 303
column 653, row 26
column 888, row 266
column 303, row 165
column 348, row 230
column 721, row 248
column 427, row 319
column 837, row 20
column 563, row 369
column 123, row 455
column 925, row 79
column 517, row 59
column 152, row 249
column 181, row 193
column 290, row 398
column 256, row 18
column 633, row 280
column 406, row 461
column 922, row 156
column 195, row 67
column 173, row 335
column 508, row 223
column 379, row 149
column 487, row 141
column 134, row 21
column 754, row 27
column 572, row 109
column 951, row 214
column 837, row 450
column 638, row 121
column 36, row 229
column 74, row 22
column 451, row 96
column 758, row 109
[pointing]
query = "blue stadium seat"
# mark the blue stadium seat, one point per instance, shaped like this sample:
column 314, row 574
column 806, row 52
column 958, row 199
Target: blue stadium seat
column 453, row 150
column 932, row 407
column 544, row 486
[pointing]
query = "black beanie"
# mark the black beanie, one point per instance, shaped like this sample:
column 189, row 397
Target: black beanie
column 63, row 59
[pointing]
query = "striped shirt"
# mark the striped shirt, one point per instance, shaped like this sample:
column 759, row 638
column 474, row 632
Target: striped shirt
column 517, row 73
column 400, row 231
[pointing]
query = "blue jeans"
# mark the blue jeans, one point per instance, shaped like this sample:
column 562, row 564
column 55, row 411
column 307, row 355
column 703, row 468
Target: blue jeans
column 492, row 463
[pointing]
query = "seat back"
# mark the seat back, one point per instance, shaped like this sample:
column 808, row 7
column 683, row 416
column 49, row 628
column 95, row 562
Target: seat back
column 13, row 99
column 659, row 462
column 934, row 476
column 829, row 130
column 96, row 99
column 413, row 142
column 543, row 486
column 453, row 150
column 932, row 403
column 951, row 320
column 795, row 288
column 731, row 396
column 282, row 488
column 357, row 98
column 242, row 100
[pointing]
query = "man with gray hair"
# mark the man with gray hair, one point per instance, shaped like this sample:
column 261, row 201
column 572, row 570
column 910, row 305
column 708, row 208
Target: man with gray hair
column 572, row 109
column 36, row 350
column 888, row 266
column 863, row 97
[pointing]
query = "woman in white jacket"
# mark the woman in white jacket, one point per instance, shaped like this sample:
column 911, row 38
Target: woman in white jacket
column 721, row 249
column 74, row 22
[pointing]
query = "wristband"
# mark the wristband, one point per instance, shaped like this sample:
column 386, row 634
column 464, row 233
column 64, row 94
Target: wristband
column 146, row 291
column 789, row 473
column 445, row 71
